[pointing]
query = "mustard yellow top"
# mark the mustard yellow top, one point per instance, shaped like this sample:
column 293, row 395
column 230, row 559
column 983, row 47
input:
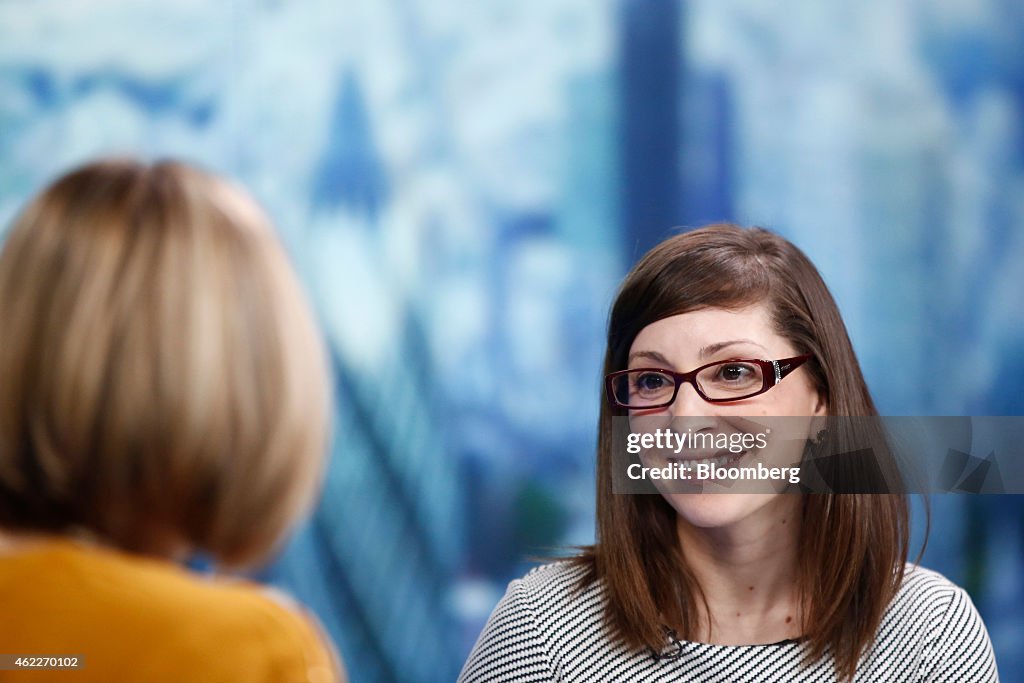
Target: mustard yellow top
column 139, row 619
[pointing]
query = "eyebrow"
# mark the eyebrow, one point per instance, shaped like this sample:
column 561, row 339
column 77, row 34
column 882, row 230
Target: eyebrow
column 712, row 349
column 705, row 351
column 652, row 355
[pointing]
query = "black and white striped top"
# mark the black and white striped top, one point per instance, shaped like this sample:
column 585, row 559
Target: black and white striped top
column 543, row 631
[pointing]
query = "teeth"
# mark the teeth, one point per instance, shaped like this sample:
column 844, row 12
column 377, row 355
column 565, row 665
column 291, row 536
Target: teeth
column 720, row 461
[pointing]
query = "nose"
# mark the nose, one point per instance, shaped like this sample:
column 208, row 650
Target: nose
column 691, row 412
column 688, row 403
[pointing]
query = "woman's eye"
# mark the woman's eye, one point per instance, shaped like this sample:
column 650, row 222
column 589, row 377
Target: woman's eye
column 735, row 372
column 651, row 381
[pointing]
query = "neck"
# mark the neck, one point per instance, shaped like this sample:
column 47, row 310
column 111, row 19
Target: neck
column 747, row 572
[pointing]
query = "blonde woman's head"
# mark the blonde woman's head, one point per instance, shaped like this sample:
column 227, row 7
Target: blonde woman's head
column 162, row 383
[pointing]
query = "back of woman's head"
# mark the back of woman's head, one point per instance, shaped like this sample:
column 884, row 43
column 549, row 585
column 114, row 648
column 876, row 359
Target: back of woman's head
column 163, row 386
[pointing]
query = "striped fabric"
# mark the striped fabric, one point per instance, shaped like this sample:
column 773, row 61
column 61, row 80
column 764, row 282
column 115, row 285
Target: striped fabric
column 542, row 631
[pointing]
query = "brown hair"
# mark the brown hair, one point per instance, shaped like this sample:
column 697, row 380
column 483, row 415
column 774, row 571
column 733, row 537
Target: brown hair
column 164, row 386
column 852, row 547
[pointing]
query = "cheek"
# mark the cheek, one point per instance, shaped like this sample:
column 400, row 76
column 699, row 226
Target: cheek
column 796, row 399
column 785, row 441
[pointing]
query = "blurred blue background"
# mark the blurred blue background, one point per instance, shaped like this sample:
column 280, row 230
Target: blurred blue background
column 462, row 186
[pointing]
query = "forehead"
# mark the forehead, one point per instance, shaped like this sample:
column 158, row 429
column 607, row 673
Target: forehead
column 685, row 336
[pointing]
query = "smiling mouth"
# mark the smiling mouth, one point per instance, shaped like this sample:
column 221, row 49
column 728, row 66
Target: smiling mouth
column 720, row 458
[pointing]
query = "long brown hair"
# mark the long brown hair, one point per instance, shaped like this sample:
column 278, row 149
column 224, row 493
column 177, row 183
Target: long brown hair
column 164, row 387
column 852, row 547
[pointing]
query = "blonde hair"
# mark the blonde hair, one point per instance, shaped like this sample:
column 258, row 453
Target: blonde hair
column 162, row 381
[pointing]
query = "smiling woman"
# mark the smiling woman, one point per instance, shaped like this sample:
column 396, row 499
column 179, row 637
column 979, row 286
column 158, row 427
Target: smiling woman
column 711, row 325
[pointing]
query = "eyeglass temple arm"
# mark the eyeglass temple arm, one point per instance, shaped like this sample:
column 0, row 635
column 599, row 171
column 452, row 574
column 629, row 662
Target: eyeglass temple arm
column 784, row 366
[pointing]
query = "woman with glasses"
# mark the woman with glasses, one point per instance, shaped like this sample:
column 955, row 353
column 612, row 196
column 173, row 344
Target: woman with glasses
column 712, row 332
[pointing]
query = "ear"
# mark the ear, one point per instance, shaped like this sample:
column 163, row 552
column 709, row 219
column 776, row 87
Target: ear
column 820, row 415
column 820, row 406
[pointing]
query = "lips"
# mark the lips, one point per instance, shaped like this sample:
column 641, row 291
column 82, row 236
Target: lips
column 721, row 458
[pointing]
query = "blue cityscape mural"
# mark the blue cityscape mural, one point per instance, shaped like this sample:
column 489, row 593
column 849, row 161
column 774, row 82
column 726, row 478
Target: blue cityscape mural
column 462, row 186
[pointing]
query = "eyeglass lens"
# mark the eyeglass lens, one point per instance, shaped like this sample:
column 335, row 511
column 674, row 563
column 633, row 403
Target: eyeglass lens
column 721, row 381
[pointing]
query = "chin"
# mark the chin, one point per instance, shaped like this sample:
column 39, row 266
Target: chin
column 713, row 510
